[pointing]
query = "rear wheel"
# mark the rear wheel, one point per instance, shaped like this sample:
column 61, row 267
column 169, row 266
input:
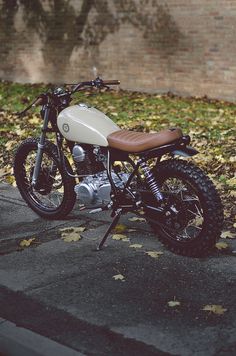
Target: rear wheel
column 193, row 217
column 53, row 197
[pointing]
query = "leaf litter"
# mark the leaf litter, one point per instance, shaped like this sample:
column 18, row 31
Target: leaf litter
column 214, row 309
column 154, row 254
column 173, row 303
column 120, row 237
column 27, row 242
column 119, row 277
column 136, row 246
column 71, row 234
column 221, row 245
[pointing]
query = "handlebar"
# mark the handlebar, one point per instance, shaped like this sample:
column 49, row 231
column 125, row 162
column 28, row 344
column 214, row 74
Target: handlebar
column 111, row 82
column 44, row 98
column 97, row 83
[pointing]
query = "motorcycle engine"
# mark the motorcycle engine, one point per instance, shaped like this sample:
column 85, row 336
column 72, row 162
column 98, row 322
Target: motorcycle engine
column 94, row 190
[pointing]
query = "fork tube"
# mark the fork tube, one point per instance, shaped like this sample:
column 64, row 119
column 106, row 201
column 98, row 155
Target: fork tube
column 41, row 145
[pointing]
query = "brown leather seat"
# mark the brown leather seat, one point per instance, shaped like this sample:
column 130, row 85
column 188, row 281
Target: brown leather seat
column 131, row 141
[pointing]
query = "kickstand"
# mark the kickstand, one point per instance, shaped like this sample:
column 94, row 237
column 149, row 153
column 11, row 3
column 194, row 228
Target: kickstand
column 112, row 225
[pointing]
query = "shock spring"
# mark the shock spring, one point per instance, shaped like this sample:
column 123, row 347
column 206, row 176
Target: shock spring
column 151, row 181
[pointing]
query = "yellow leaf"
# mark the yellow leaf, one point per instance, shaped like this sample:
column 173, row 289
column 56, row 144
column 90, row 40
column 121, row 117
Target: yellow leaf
column 136, row 246
column 10, row 144
column 221, row 245
column 215, row 309
column 227, row 235
column 71, row 233
column 173, row 303
column 154, row 254
column 34, row 120
column 232, row 193
column 120, row 237
column 71, row 237
column 119, row 277
column 20, row 132
column 2, row 172
column 73, row 229
column 234, row 225
column 231, row 182
column 120, row 228
column 10, row 180
column 134, row 218
column 27, row 243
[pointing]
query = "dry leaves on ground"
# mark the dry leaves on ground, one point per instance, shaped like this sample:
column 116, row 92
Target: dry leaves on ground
column 215, row 309
column 26, row 242
column 71, row 234
column 119, row 277
column 154, row 254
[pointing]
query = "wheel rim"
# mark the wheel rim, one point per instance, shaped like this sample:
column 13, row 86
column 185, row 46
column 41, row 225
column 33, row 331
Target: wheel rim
column 182, row 219
column 186, row 209
column 49, row 191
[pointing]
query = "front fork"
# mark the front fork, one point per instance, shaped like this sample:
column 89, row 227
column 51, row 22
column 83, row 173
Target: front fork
column 41, row 145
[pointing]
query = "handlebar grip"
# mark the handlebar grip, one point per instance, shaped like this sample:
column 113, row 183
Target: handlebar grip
column 111, row 82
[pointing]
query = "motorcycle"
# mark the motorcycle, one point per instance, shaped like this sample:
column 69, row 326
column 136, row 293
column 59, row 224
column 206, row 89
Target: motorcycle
column 117, row 169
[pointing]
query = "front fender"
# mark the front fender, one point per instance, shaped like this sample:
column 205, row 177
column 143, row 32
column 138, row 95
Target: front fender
column 185, row 151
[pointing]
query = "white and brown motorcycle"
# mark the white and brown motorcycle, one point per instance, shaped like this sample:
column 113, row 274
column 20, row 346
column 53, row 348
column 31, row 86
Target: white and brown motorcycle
column 179, row 201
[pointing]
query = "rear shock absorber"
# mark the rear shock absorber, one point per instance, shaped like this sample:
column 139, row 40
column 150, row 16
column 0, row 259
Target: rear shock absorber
column 151, row 181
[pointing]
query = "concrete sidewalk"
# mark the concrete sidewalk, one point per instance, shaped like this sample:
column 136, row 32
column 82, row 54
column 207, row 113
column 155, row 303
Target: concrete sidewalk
column 73, row 300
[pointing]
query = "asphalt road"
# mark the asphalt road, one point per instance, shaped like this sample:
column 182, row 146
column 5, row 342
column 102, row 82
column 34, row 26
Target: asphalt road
column 62, row 298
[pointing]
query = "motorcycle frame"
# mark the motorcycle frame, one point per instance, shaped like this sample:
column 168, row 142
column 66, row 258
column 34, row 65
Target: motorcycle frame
column 179, row 147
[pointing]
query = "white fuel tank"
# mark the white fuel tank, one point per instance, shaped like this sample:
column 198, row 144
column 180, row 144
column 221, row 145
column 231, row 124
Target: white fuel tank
column 84, row 124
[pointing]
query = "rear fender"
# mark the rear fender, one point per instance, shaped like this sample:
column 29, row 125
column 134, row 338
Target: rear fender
column 184, row 151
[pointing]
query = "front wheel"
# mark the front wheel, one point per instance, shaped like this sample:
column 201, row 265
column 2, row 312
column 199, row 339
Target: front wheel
column 193, row 219
column 53, row 197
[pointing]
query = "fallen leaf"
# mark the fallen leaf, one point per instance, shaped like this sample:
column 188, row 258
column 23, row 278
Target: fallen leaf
column 34, row 120
column 215, row 309
column 231, row 182
column 2, row 172
column 154, row 254
column 134, row 218
column 221, row 245
column 27, row 243
column 120, row 228
column 136, row 246
column 232, row 193
column 227, row 235
column 71, row 237
column 10, row 179
column 119, row 277
column 173, row 303
column 10, row 144
column 73, row 229
column 71, row 233
column 119, row 237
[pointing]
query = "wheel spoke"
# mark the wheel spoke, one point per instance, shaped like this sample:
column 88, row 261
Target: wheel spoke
column 186, row 206
column 49, row 192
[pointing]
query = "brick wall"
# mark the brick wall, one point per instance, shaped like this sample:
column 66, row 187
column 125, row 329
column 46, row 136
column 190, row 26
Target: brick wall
column 184, row 46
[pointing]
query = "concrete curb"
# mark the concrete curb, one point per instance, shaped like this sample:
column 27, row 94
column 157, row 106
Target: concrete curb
column 17, row 341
